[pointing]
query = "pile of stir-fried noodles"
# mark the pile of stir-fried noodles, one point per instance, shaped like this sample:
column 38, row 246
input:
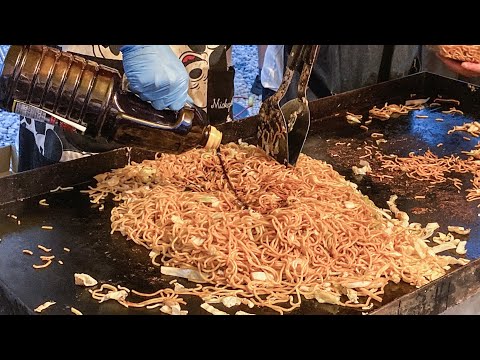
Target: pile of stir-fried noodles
column 282, row 234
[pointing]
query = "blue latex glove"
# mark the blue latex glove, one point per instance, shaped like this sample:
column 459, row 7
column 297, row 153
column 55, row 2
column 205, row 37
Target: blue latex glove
column 156, row 75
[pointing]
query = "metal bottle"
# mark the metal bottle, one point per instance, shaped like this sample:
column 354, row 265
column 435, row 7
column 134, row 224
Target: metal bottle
column 85, row 97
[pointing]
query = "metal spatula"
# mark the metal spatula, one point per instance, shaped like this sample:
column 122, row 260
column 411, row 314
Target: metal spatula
column 283, row 129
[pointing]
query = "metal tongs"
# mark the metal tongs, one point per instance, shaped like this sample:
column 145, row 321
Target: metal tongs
column 283, row 129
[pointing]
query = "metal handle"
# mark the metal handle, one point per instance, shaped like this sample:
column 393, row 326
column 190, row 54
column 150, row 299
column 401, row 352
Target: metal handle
column 309, row 54
column 133, row 110
column 282, row 130
column 294, row 56
column 184, row 116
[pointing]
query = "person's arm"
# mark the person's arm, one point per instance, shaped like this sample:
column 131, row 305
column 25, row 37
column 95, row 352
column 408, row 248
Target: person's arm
column 156, row 75
column 467, row 69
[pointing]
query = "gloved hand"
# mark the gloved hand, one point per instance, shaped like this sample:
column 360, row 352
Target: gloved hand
column 156, row 74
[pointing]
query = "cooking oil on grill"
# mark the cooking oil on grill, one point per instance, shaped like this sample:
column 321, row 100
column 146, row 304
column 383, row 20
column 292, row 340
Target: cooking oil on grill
column 87, row 98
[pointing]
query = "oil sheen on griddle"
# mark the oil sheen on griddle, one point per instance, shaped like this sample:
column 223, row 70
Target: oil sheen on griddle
column 84, row 97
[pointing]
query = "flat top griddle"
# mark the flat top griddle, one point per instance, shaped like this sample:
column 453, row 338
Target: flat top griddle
column 80, row 226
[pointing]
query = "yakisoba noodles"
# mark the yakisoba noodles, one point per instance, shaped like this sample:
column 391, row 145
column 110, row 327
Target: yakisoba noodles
column 305, row 231
column 431, row 168
column 427, row 167
column 473, row 128
column 394, row 110
column 469, row 53
column 474, row 193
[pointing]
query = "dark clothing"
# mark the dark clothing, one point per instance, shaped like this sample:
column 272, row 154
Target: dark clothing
column 341, row 68
column 347, row 67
